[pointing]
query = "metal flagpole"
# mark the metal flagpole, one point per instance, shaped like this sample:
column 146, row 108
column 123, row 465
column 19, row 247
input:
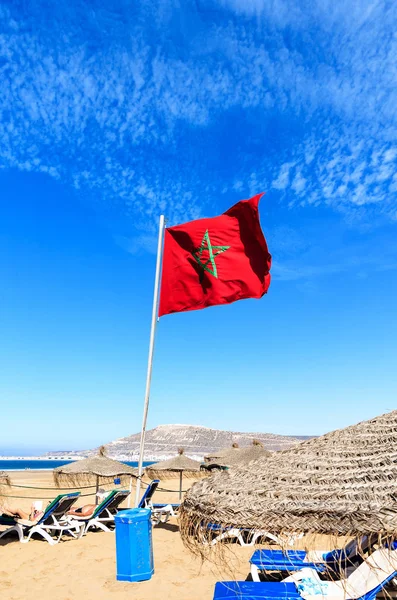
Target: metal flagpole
column 150, row 358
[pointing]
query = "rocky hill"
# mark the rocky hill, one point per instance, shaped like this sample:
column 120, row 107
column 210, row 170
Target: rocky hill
column 163, row 441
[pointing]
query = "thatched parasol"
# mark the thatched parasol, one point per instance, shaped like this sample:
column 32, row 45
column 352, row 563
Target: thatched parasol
column 4, row 481
column 80, row 472
column 178, row 464
column 343, row 483
column 247, row 454
column 224, row 456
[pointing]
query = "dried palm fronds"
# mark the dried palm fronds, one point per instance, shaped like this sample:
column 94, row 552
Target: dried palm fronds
column 172, row 466
column 225, row 454
column 246, row 455
column 343, row 483
column 177, row 466
column 99, row 467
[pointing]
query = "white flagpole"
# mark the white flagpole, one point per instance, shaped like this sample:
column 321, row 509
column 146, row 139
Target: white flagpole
column 150, row 358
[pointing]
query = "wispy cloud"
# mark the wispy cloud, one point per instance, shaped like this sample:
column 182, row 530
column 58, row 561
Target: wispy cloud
column 153, row 111
column 344, row 170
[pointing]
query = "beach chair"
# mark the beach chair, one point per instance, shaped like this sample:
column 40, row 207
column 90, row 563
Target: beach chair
column 146, row 500
column 160, row 512
column 364, row 583
column 105, row 511
column 174, row 508
column 245, row 537
column 52, row 521
column 321, row 561
column 103, row 515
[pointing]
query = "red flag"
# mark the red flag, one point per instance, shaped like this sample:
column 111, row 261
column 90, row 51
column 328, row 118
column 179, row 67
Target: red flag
column 215, row 261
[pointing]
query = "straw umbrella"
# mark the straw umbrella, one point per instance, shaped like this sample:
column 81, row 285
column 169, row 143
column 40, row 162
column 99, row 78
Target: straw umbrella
column 343, row 483
column 179, row 464
column 103, row 468
column 248, row 454
column 4, row 481
column 225, row 456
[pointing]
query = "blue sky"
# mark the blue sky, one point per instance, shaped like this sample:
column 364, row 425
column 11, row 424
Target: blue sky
column 113, row 112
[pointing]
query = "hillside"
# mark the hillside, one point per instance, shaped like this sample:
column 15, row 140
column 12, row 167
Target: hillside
column 164, row 440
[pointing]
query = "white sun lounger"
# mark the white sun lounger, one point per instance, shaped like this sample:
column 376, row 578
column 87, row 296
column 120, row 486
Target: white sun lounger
column 53, row 521
column 245, row 537
column 103, row 515
column 363, row 584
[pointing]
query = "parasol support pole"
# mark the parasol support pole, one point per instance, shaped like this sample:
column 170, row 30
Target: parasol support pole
column 180, row 485
column 129, row 495
column 150, row 357
column 96, row 490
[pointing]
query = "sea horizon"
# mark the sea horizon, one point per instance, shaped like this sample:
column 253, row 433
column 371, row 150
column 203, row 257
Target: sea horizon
column 36, row 464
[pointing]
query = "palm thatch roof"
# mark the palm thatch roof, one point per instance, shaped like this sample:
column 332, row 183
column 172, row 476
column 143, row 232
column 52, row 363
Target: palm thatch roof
column 247, row 454
column 4, row 481
column 177, row 464
column 219, row 456
column 343, row 483
column 234, row 455
column 101, row 466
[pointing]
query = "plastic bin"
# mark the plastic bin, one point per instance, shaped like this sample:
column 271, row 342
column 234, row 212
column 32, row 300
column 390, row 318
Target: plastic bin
column 134, row 549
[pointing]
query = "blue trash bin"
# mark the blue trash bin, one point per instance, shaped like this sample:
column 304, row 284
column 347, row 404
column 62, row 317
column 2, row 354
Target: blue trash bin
column 134, row 549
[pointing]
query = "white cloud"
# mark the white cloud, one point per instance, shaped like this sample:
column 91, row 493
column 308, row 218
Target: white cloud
column 94, row 102
column 298, row 184
column 351, row 177
column 283, row 177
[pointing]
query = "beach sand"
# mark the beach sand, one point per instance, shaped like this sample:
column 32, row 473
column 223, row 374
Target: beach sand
column 86, row 568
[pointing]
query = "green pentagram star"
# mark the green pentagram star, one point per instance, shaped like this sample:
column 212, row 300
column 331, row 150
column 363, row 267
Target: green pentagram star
column 213, row 252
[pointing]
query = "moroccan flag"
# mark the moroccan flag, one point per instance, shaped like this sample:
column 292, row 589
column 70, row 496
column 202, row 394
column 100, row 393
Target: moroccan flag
column 215, row 261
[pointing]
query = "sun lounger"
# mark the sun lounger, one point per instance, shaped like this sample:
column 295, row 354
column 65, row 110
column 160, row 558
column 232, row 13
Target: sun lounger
column 146, row 500
column 175, row 507
column 364, row 583
column 171, row 508
column 52, row 521
column 103, row 515
column 245, row 537
column 160, row 512
column 294, row 560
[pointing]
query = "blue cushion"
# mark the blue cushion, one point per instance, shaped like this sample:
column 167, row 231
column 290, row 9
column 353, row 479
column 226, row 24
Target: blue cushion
column 277, row 560
column 277, row 556
column 249, row 590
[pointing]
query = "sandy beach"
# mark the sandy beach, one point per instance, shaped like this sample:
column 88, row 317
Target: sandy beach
column 86, row 568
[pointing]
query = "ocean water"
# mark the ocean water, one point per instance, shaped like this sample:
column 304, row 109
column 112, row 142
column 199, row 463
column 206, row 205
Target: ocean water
column 21, row 465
